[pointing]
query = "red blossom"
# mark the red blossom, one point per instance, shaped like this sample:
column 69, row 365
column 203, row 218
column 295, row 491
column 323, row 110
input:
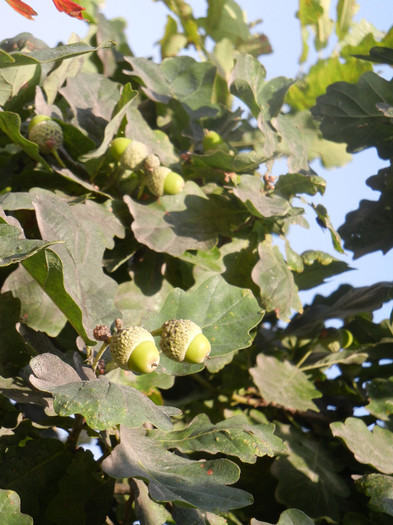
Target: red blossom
column 64, row 6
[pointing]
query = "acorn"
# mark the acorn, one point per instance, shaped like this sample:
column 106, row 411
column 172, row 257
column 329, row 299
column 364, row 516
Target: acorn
column 163, row 180
column 130, row 153
column 134, row 349
column 213, row 140
column 183, row 340
column 46, row 133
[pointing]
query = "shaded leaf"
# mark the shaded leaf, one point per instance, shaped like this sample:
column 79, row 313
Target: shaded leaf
column 230, row 437
column 349, row 113
column 308, row 477
column 372, row 448
column 201, row 484
column 292, row 184
column 379, row 489
column 380, row 396
column 282, row 383
column 13, row 351
column 176, row 223
column 33, row 470
column 102, row 403
column 82, row 484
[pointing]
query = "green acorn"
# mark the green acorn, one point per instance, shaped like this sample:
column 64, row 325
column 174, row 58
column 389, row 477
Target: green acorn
column 46, row 133
column 163, row 180
column 213, row 140
column 183, row 340
column 134, row 349
column 130, row 153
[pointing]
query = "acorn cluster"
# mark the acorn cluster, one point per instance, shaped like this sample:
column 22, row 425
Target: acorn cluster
column 134, row 155
column 133, row 348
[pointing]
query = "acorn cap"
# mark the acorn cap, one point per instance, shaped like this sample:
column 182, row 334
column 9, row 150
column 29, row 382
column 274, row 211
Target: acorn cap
column 134, row 154
column 155, row 180
column 124, row 342
column 47, row 134
column 176, row 336
column 151, row 162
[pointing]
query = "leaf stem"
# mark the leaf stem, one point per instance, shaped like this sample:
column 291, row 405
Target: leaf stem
column 99, row 355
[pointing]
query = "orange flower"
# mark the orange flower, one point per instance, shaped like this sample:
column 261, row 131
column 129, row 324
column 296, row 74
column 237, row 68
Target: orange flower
column 65, row 6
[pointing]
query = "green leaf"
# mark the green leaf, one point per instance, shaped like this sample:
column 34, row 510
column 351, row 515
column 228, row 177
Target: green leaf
column 276, row 282
column 284, row 384
column 225, row 313
column 147, row 510
column 379, row 55
column 10, row 509
column 345, row 357
column 346, row 9
column 15, row 248
column 179, row 78
column 318, row 266
column 86, row 228
column 308, row 477
column 102, row 403
column 200, row 484
column 288, row 517
column 292, row 184
column 247, row 82
column 230, row 437
column 305, row 92
column 92, row 99
column 10, row 124
column 325, row 222
column 371, row 448
column 172, row 41
column 44, row 56
column 379, row 489
column 349, row 113
column 38, row 310
column 260, row 204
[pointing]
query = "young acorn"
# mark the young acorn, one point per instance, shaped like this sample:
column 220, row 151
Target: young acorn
column 183, row 340
column 213, row 140
column 163, row 180
column 133, row 348
column 130, row 153
column 46, row 133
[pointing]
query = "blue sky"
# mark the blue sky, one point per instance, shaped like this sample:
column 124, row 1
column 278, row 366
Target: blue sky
column 346, row 185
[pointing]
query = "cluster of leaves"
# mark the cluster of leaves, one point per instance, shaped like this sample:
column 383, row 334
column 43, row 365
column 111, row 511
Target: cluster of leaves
column 82, row 245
